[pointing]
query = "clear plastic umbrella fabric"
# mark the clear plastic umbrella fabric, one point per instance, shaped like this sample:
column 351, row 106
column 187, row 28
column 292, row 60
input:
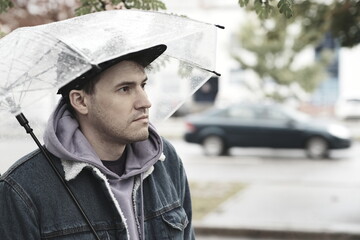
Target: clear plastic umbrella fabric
column 36, row 61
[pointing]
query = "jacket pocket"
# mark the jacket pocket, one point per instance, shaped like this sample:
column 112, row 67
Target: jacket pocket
column 176, row 218
column 168, row 225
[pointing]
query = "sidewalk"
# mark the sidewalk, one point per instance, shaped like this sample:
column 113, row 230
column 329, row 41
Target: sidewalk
column 287, row 212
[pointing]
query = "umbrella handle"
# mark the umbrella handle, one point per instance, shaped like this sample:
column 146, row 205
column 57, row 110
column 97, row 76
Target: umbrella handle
column 25, row 123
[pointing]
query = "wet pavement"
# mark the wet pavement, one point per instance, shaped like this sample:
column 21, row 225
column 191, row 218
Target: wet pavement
column 288, row 210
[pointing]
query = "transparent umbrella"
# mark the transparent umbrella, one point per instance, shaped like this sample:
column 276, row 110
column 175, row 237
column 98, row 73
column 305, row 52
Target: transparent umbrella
column 36, row 61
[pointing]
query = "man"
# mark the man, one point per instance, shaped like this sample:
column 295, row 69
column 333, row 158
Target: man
column 129, row 181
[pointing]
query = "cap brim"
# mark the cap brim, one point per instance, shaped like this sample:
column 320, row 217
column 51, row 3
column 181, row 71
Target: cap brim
column 143, row 57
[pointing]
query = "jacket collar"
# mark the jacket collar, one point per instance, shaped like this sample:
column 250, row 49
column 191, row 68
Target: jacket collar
column 73, row 168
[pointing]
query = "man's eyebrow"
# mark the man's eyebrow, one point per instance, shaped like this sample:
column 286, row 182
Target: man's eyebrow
column 145, row 80
column 125, row 83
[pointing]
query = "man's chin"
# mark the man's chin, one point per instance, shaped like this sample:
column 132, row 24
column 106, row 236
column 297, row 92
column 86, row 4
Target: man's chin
column 141, row 136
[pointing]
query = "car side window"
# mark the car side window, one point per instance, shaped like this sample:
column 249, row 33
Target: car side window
column 274, row 114
column 244, row 113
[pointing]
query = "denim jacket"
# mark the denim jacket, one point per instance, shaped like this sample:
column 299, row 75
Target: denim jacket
column 35, row 205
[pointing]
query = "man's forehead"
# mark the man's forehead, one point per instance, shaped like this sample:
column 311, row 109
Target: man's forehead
column 124, row 71
column 127, row 66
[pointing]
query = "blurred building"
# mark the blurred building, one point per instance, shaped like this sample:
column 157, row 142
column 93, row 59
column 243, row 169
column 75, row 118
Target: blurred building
column 328, row 91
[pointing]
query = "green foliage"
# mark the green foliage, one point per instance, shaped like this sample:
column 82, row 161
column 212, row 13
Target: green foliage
column 145, row 4
column 341, row 18
column 345, row 23
column 264, row 8
column 276, row 42
column 5, row 5
column 243, row 3
column 274, row 45
column 285, row 7
column 89, row 6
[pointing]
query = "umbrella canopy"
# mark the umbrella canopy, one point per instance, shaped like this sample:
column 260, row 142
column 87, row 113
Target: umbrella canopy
column 36, row 61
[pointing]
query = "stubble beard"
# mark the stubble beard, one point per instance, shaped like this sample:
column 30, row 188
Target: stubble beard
column 128, row 134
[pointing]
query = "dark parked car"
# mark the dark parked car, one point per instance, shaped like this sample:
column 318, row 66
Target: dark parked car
column 264, row 125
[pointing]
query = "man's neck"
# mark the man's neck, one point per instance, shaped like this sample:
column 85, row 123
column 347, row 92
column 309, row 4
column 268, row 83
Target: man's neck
column 105, row 149
column 109, row 152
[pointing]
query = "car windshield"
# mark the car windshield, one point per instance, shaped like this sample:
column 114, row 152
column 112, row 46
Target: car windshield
column 294, row 114
column 250, row 112
column 353, row 100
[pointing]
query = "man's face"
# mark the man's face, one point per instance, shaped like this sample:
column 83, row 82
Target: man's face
column 118, row 108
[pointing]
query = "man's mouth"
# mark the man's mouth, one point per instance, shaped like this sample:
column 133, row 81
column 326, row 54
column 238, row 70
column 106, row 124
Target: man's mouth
column 142, row 118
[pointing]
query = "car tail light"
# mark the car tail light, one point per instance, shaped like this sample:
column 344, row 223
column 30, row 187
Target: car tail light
column 190, row 127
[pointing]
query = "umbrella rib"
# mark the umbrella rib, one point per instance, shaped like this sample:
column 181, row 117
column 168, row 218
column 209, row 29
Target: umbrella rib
column 25, row 79
column 73, row 48
column 16, row 83
column 12, row 61
column 29, row 82
column 45, row 54
column 36, row 89
column 197, row 65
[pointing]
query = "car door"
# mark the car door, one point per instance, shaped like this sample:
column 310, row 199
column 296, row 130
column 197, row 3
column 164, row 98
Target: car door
column 241, row 126
column 278, row 130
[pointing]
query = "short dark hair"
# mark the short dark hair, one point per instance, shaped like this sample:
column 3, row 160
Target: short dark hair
column 88, row 87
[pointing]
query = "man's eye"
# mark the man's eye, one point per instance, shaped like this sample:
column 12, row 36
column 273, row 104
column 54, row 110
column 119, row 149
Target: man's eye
column 124, row 89
column 143, row 85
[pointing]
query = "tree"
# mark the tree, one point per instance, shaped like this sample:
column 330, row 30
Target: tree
column 265, row 8
column 340, row 18
column 88, row 6
column 5, row 5
column 344, row 20
column 274, row 46
column 19, row 13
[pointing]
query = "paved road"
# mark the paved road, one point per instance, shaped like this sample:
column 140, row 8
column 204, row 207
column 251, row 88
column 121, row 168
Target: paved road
column 266, row 165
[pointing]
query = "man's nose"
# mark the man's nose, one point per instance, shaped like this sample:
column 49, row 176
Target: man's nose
column 142, row 100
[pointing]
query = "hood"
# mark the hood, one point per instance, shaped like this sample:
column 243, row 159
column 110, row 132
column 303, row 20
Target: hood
column 64, row 139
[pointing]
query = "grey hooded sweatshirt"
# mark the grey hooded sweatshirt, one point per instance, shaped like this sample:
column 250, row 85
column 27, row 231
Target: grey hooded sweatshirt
column 64, row 139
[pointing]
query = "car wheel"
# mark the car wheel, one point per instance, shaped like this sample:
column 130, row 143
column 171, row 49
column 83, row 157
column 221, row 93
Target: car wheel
column 213, row 146
column 317, row 148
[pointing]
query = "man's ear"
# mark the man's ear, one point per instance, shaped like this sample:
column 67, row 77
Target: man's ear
column 78, row 101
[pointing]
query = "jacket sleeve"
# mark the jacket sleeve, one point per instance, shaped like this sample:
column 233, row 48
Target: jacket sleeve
column 17, row 217
column 189, row 230
column 183, row 188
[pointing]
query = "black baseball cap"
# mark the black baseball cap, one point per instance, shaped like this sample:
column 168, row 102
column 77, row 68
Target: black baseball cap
column 143, row 57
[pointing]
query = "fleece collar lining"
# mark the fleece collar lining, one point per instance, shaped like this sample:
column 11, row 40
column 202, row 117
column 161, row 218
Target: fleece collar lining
column 72, row 168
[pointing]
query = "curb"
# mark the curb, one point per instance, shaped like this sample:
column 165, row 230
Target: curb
column 273, row 234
